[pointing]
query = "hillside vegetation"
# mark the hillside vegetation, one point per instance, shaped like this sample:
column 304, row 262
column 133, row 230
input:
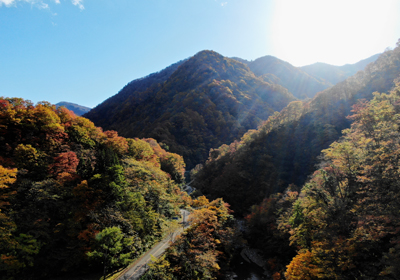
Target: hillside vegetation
column 344, row 223
column 202, row 103
column 284, row 150
column 75, row 198
column 204, row 250
column 316, row 180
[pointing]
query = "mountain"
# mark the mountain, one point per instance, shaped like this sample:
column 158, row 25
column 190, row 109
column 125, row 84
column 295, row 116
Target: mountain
column 79, row 110
column 273, row 70
column 193, row 106
column 335, row 74
column 285, row 149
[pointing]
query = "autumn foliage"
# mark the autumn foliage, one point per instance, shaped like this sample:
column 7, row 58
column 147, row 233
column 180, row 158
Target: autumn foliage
column 345, row 222
column 63, row 181
column 203, row 249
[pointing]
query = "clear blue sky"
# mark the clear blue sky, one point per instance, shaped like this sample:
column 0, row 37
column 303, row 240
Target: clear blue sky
column 84, row 51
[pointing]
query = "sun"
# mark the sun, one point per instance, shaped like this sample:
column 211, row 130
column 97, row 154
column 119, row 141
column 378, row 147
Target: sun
column 334, row 32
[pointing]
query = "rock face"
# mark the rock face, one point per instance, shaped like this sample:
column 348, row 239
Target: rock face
column 253, row 255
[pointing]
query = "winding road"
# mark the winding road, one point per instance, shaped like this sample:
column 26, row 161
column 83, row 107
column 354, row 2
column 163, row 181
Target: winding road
column 139, row 267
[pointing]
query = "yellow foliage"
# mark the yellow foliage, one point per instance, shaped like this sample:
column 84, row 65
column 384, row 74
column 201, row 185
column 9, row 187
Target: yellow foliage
column 7, row 176
column 200, row 202
column 303, row 267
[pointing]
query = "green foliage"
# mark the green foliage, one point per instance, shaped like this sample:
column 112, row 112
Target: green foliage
column 112, row 248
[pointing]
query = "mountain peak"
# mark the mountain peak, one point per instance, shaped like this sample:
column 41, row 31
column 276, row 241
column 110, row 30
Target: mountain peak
column 207, row 101
column 79, row 110
column 299, row 83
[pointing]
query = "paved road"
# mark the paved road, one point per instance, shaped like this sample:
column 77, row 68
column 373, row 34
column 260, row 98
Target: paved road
column 138, row 268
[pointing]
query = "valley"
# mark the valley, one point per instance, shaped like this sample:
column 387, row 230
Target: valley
column 307, row 157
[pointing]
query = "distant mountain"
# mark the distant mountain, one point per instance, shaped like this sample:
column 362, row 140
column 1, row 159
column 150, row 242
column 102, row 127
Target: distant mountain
column 77, row 109
column 335, row 74
column 285, row 149
column 192, row 106
column 298, row 82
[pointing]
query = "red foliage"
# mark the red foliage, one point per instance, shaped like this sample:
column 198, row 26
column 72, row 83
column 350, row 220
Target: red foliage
column 117, row 143
column 64, row 163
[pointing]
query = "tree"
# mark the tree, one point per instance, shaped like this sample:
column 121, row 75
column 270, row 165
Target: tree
column 346, row 220
column 201, row 251
column 113, row 249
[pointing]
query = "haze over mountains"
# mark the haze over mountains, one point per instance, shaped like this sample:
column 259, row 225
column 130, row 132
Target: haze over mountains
column 209, row 100
column 276, row 71
column 285, row 149
column 335, row 74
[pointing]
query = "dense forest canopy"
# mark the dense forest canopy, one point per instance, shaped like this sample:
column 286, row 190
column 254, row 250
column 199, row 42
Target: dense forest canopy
column 344, row 223
column 204, row 251
column 67, row 186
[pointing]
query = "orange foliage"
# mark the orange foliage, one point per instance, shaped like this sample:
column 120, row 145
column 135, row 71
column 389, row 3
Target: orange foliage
column 117, row 143
column 303, row 267
column 7, row 177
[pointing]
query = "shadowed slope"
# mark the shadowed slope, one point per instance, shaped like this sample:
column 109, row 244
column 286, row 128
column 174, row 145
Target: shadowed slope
column 206, row 101
column 285, row 148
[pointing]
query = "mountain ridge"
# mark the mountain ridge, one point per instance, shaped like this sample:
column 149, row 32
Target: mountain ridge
column 285, row 149
column 335, row 74
column 300, row 84
column 79, row 110
column 206, row 101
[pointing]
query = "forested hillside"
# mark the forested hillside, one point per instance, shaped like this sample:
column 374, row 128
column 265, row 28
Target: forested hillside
column 285, row 149
column 299, row 83
column 200, row 103
column 71, row 193
column 204, row 251
column 335, row 74
column 344, row 223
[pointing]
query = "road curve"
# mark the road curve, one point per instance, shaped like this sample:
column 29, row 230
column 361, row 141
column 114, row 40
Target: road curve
column 139, row 267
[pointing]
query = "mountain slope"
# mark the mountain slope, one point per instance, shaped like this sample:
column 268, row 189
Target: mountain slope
column 298, row 82
column 335, row 74
column 79, row 110
column 206, row 101
column 285, row 149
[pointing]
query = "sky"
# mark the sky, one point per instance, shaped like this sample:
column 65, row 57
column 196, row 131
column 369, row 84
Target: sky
column 85, row 51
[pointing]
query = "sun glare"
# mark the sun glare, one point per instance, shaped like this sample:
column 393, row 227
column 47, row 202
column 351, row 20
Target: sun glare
column 335, row 32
